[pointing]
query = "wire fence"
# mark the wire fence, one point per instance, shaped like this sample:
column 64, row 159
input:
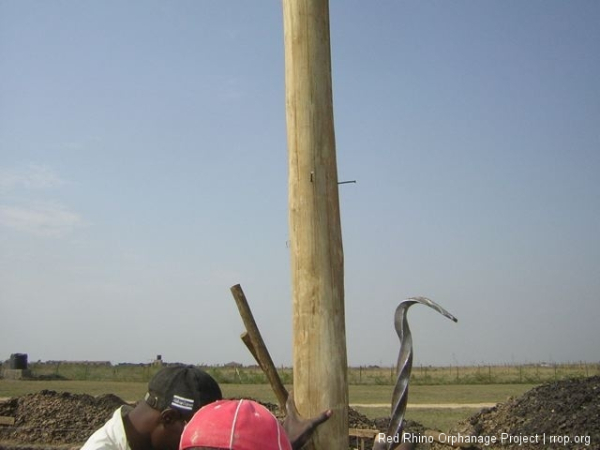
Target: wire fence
column 361, row 375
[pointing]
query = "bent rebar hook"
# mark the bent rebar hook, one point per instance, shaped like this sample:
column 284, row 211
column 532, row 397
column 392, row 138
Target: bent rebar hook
column 404, row 365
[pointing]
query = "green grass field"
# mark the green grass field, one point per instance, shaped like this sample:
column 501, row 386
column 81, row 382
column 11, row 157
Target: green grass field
column 440, row 419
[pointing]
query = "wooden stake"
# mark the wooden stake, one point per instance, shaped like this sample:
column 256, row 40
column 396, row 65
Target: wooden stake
column 245, row 337
column 275, row 381
column 320, row 361
column 259, row 349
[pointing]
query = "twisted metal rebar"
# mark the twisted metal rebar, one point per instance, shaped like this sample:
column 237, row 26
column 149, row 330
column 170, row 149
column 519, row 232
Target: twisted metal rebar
column 404, row 365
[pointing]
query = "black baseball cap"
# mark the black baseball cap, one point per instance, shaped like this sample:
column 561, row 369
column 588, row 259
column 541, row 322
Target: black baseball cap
column 182, row 387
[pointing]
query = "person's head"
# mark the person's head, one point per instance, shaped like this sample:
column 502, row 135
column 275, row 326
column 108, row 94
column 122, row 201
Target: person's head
column 234, row 425
column 174, row 394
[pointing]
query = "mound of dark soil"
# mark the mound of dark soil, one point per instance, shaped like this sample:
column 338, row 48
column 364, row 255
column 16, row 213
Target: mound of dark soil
column 50, row 417
column 563, row 414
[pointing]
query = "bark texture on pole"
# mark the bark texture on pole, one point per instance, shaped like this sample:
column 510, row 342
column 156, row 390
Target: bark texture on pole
column 320, row 362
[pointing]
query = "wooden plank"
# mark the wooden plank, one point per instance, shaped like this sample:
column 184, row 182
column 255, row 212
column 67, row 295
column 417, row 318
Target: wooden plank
column 362, row 433
column 7, row 420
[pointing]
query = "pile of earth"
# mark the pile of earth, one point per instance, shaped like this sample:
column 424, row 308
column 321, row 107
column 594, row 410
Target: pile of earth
column 566, row 412
column 53, row 420
column 62, row 419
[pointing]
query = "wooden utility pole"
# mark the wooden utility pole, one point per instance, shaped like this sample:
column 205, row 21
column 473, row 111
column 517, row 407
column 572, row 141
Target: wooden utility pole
column 317, row 260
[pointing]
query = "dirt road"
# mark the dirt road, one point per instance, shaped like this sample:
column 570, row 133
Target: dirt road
column 427, row 405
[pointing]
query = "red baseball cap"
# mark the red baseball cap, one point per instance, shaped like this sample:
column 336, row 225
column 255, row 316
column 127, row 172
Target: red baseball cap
column 235, row 425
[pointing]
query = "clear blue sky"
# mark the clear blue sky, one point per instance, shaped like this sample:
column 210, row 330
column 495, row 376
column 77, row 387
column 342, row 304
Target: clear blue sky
column 143, row 172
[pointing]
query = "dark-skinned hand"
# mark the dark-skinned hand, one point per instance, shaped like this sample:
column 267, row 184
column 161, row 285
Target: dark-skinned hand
column 298, row 429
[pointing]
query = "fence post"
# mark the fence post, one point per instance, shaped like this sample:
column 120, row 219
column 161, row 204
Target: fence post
column 520, row 373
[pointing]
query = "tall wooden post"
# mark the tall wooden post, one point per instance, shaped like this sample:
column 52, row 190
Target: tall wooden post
column 317, row 260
